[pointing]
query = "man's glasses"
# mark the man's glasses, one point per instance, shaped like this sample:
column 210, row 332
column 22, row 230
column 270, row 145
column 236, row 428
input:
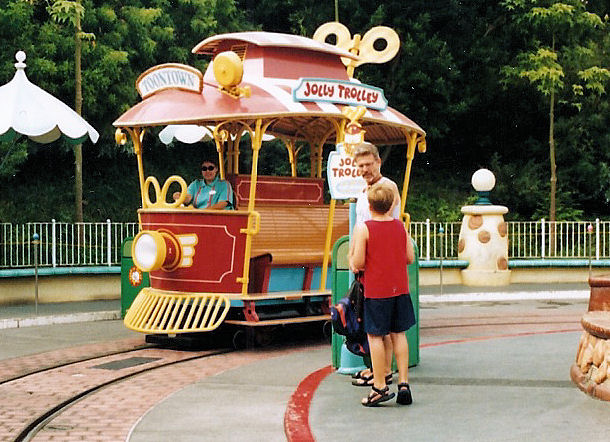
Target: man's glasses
column 206, row 168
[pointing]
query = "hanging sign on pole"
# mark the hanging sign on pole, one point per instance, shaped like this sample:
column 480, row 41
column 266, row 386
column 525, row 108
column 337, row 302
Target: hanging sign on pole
column 344, row 179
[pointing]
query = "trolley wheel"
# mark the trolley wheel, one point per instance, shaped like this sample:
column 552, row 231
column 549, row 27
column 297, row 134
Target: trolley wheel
column 263, row 336
column 240, row 339
column 327, row 330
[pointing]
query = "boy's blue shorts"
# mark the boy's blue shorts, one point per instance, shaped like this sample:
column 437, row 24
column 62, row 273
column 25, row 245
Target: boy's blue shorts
column 388, row 315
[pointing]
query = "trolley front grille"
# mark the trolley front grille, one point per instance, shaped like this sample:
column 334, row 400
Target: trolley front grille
column 161, row 312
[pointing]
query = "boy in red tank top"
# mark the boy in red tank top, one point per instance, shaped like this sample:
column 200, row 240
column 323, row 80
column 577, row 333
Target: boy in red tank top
column 383, row 249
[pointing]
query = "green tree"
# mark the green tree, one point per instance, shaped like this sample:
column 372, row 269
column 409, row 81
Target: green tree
column 16, row 30
column 72, row 12
column 560, row 60
column 131, row 36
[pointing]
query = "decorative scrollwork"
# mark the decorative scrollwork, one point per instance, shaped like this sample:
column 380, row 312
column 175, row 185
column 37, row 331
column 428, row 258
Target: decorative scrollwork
column 364, row 47
column 421, row 144
column 161, row 193
column 120, row 137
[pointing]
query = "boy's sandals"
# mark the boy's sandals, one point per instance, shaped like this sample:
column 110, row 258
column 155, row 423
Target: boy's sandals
column 404, row 394
column 377, row 396
column 361, row 374
column 367, row 381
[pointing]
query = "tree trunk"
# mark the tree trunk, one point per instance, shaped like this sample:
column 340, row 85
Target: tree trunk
column 552, row 206
column 78, row 152
column 553, row 192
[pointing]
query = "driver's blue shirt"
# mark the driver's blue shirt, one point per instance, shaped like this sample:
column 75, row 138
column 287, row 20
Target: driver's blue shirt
column 206, row 195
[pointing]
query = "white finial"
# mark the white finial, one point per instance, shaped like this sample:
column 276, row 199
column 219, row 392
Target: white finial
column 20, row 56
column 483, row 180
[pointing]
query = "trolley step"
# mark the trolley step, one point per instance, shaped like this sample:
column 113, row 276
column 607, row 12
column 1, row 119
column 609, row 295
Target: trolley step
column 298, row 320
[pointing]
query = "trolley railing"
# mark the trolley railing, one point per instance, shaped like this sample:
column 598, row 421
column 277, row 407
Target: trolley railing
column 99, row 244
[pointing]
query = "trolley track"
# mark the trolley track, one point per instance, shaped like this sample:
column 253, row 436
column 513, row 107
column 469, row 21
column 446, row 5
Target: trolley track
column 50, row 392
column 55, row 401
column 22, row 366
column 53, row 407
column 32, row 371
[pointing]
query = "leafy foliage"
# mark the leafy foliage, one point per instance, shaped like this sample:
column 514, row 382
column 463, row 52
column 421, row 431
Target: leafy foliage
column 561, row 47
column 447, row 77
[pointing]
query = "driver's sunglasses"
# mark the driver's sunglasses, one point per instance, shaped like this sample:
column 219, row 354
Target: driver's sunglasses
column 206, row 168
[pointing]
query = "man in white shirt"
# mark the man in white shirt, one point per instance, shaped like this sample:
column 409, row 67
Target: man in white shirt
column 368, row 162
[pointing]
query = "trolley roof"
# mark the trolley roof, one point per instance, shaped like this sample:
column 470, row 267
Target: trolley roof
column 210, row 45
column 273, row 65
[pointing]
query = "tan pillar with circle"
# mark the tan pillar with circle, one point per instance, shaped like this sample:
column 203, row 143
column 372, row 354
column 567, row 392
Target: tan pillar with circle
column 483, row 240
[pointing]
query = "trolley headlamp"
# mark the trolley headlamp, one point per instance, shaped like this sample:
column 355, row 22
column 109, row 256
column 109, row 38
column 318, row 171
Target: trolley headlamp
column 153, row 250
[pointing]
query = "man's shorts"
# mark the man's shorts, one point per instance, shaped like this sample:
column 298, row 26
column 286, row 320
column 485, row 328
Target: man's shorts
column 388, row 315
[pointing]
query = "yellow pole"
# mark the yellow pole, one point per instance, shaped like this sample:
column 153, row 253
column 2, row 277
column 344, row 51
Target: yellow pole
column 411, row 143
column 316, row 158
column 320, row 150
column 312, row 159
column 329, row 232
column 137, row 148
column 236, row 154
column 339, row 130
column 229, row 156
column 291, row 157
column 221, row 165
column 256, row 146
column 340, row 136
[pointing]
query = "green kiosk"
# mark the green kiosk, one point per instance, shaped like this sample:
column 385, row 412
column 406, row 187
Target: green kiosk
column 344, row 361
column 132, row 279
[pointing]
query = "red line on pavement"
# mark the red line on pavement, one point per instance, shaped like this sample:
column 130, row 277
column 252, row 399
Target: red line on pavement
column 486, row 338
column 296, row 418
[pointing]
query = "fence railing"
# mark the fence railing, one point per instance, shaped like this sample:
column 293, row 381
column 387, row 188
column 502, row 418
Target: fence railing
column 526, row 239
column 99, row 244
column 435, row 239
column 63, row 244
column 560, row 239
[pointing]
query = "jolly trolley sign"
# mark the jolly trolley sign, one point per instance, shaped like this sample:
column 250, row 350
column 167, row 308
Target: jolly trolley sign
column 337, row 91
column 344, row 179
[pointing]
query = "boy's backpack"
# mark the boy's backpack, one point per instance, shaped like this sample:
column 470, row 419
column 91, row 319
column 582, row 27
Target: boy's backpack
column 346, row 317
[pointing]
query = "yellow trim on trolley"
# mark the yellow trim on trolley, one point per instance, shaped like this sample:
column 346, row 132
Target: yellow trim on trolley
column 155, row 311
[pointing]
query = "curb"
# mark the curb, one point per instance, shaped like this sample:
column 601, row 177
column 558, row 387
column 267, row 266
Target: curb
column 505, row 296
column 59, row 319
column 111, row 315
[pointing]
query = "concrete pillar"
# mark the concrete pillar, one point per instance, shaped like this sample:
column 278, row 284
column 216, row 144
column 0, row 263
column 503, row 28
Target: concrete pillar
column 484, row 237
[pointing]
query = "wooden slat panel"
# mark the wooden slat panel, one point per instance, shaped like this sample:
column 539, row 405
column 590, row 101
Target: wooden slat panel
column 297, row 234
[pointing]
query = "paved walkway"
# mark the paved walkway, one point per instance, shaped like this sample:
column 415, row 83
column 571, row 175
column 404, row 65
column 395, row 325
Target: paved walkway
column 495, row 370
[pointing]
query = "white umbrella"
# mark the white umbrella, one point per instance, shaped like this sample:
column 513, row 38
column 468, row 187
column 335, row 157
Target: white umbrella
column 185, row 133
column 29, row 110
column 191, row 133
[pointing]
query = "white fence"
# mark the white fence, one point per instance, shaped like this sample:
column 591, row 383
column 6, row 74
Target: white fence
column 560, row 239
column 63, row 244
column 99, row 244
column 436, row 239
column 526, row 239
